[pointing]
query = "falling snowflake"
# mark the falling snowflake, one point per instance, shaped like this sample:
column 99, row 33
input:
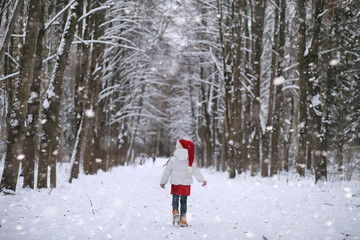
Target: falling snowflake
column 329, row 223
column 20, row 157
column 269, row 128
column 334, row 62
column 90, row 113
column 198, row 19
column 278, row 81
column 19, row 227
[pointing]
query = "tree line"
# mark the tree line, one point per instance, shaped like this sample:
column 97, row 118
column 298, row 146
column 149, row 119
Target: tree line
column 284, row 71
column 259, row 86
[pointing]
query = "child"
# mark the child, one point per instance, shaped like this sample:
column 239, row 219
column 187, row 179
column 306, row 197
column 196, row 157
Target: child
column 180, row 169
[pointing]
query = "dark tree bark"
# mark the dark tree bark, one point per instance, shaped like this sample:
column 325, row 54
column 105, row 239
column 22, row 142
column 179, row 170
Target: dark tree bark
column 283, row 142
column 81, row 68
column 204, row 131
column 16, row 124
column 237, row 104
column 227, row 61
column 31, row 140
column 95, row 128
column 257, row 34
column 206, row 91
column 317, row 108
column 227, row 150
column 276, row 163
column 247, row 125
column 48, row 152
column 301, row 161
column 275, row 115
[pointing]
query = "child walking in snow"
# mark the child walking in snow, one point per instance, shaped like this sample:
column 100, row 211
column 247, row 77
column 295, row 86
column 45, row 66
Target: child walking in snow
column 180, row 169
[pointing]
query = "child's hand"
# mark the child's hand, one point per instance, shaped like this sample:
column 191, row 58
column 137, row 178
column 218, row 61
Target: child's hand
column 162, row 185
column 204, row 183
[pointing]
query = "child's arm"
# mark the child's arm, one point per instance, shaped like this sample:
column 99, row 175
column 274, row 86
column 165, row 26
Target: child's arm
column 197, row 174
column 166, row 173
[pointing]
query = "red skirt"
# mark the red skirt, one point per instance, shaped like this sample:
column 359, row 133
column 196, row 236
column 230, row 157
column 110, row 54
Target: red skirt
column 180, row 189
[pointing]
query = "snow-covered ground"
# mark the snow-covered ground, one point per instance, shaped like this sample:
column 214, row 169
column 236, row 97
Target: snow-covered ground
column 127, row 203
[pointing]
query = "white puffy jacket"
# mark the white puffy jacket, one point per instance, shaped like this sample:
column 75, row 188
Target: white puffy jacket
column 176, row 170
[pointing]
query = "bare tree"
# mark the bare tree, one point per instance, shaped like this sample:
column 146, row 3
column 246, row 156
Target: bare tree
column 279, row 81
column 16, row 124
column 31, row 139
column 257, row 34
column 51, row 105
column 301, row 161
column 81, row 70
column 11, row 25
column 317, row 95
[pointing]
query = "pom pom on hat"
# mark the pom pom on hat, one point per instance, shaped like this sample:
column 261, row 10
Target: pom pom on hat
column 189, row 145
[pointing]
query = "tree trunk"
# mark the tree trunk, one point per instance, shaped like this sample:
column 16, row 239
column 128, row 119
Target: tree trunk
column 82, row 74
column 9, row 29
column 295, row 117
column 279, row 81
column 227, row 144
column 16, row 124
column 257, row 34
column 95, row 130
column 224, row 151
column 237, row 98
column 317, row 109
column 302, row 68
column 49, row 152
column 100, row 140
column 32, row 139
column 204, row 131
column 75, row 156
column 279, row 94
column 215, row 130
column 2, row 9
column 227, row 112
column 9, row 68
column 273, row 112
column 245, row 152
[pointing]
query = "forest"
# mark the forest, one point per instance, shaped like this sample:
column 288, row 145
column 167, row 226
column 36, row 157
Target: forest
column 260, row 87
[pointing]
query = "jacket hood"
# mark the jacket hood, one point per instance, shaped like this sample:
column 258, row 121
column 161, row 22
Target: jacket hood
column 181, row 154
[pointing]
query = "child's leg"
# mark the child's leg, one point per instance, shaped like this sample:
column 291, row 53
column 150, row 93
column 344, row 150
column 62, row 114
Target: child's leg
column 175, row 202
column 183, row 202
column 175, row 212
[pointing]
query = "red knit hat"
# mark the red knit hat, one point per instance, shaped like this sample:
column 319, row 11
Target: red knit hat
column 189, row 145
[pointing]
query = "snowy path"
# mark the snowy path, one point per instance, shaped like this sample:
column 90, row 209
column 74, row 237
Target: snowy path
column 127, row 203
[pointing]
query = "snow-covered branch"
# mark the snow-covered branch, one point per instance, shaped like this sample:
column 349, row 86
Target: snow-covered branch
column 48, row 24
